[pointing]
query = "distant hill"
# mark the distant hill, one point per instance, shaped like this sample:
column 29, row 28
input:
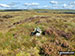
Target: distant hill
column 58, row 11
column 13, row 10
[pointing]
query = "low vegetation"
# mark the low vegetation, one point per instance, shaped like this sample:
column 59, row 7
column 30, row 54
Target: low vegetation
column 15, row 28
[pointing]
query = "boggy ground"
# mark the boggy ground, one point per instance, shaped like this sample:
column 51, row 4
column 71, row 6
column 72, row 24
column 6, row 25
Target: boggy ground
column 15, row 28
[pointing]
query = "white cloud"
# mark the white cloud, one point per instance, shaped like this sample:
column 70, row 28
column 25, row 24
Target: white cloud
column 72, row 3
column 46, row 6
column 68, row 6
column 35, row 4
column 65, row 5
column 53, row 2
column 26, row 4
column 13, row 3
column 38, row 7
column 31, row 4
column 54, row 6
column 4, row 5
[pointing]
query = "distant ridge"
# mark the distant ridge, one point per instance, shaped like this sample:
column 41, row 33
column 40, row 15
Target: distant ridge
column 58, row 11
column 36, row 9
column 12, row 10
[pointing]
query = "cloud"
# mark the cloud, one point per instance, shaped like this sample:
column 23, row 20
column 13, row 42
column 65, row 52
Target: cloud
column 4, row 5
column 31, row 4
column 46, row 6
column 35, row 4
column 67, row 6
column 72, row 3
column 53, row 2
column 54, row 6
column 13, row 3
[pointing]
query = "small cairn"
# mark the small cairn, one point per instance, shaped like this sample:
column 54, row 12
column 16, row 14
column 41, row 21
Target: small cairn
column 37, row 31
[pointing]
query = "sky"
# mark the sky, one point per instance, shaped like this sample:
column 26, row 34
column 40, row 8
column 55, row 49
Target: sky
column 37, row 4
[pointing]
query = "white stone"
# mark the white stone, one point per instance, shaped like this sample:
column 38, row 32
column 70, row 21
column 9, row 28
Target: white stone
column 38, row 34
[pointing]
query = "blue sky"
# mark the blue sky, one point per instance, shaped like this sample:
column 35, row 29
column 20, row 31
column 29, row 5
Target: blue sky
column 37, row 4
